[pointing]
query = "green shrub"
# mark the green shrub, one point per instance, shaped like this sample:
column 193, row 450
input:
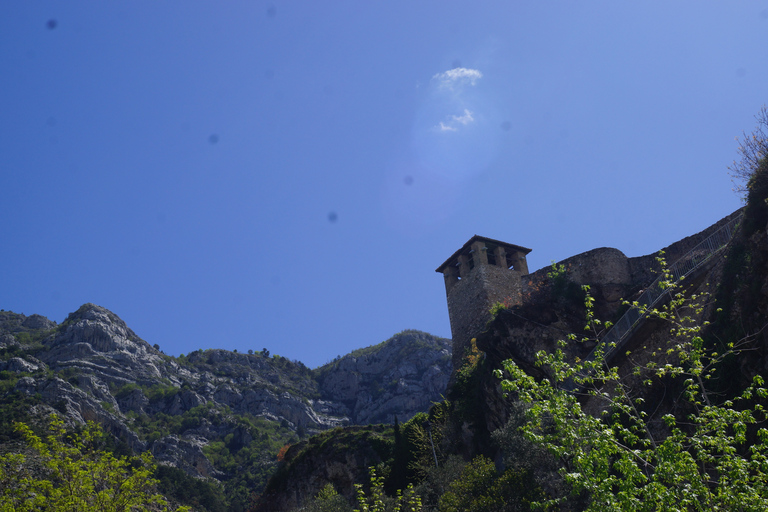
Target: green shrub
column 712, row 456
column 480, row 488
column 70, row 472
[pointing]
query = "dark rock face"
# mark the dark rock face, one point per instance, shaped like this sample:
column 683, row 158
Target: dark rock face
column 343, row 459
column 93, row 367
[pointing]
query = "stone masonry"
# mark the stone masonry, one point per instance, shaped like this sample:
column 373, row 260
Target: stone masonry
column 483, row 272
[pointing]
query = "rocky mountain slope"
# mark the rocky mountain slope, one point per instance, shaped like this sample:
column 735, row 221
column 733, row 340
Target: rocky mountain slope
column 401, row 376
column 213, row 413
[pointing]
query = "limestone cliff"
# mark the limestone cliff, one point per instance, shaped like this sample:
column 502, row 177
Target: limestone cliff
column 198, row 411
column 402, row 376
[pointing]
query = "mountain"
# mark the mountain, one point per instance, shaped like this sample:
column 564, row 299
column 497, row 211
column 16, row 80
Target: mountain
column 214, row 415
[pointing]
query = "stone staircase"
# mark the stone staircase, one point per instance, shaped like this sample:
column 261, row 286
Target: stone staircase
column 656, row 294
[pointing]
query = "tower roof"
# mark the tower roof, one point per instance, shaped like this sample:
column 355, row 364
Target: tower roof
column 477, row 238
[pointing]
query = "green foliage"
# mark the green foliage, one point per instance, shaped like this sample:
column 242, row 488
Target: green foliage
column 712, row 456
column 14, row 408
column 376, row 499
column 417, row 447
column 496, row 308
column 160, row 392
column 557, row 271
column 126, row 390
column 200, row 494
column 29, row 342
column 413, row 454
column 8, row 381
column 480, row 488
column 466, row 389
column 32, row 338
column 328, row 500
column 70, row 472
column 562, row 286
column 7, row 353
column 371, row 442
column 437, row 481
column 246, row 460
column 532, row 463
column 559, row 278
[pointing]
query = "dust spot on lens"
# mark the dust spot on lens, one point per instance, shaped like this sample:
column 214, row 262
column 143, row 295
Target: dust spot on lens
column 741, row 72
column 213, row 138
column 332, row 217
column 764, row 14
column 271, row 11
column 506, row 126
column 456, row 63
column 408, row 180
column 52, row 24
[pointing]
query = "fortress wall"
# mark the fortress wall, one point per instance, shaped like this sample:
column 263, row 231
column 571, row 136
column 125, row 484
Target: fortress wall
column 645, row 269
column 470, row 299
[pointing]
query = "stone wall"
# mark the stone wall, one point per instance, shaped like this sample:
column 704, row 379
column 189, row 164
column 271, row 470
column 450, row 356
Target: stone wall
column 470, row 299
column 645, row 268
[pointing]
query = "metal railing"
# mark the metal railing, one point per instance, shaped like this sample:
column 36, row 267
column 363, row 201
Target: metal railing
column 617, row 337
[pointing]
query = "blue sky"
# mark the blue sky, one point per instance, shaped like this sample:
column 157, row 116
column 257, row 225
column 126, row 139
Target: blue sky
column 288, row 175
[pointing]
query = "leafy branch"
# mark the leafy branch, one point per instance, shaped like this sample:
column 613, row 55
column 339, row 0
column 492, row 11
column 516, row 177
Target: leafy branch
column 698, row 459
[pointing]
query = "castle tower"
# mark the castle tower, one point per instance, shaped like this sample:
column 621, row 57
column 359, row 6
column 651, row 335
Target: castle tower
column 483, row 272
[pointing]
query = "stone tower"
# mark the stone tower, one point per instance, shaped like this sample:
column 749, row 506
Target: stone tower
column 483, row 272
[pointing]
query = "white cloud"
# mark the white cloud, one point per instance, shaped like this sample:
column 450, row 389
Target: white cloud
column 458, row 77
column 465, row 119
column 453, row 122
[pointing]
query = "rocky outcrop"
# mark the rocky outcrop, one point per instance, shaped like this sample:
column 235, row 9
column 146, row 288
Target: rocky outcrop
column 340, row 457
column 78, row 406
column 11, row 322
column 185, row 453
column 402, row 376
column 93, row 340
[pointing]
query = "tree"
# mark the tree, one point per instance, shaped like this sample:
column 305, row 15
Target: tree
column 70, row 472
column 328, row 500
column 712, row 455
column 752, row 149
column 398, row 476
column 480, row 488
column 378, row 501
